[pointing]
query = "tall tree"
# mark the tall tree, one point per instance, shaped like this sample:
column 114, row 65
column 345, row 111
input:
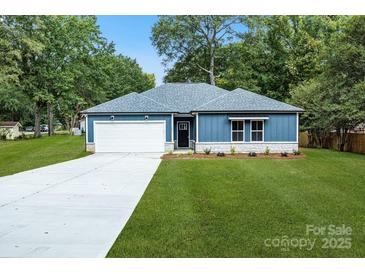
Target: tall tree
column 61, row 64
column 181, row 37
column 339, row 91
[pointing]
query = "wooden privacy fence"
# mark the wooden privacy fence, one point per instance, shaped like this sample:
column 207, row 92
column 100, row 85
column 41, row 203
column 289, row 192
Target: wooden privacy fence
column 356, row 142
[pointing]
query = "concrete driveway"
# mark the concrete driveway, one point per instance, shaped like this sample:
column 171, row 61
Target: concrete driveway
column 72, row 209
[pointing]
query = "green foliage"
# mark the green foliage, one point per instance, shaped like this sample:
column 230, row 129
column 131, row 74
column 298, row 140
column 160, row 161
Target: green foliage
column 193, row 41
column 335, row 99
column 233, row 150
column 60, row 61
column 207, row 150
column 267, row 151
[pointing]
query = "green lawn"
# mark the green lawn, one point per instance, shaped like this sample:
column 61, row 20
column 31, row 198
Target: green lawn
column 16, row 156
column 228, row 208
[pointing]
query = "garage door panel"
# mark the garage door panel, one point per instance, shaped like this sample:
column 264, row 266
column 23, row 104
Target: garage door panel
column 130, row 137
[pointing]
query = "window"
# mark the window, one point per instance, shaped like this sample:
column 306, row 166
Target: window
column 183, row 126
column 257, row 131
column 237, row 131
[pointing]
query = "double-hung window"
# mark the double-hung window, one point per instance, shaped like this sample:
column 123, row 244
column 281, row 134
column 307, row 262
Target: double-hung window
column 257, row 131
column 237, row 131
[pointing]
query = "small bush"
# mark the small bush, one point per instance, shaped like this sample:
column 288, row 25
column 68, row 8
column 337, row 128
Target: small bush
column 169, row 151
column 284, row 154
column 190, row 152
column 207, row 150
column 252, row 154
column 221, row 154
column 267, row 151
column 233, row 150
column 296, row 152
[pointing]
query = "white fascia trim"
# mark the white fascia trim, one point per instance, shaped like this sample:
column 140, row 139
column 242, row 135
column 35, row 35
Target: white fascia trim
column 248, row 118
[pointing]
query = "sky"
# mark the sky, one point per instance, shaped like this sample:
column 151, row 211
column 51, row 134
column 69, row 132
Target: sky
column 131, row 35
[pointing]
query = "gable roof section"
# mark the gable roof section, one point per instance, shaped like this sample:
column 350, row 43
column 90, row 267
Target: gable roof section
column 184, row 98
column 243, row 100
column 132, row 103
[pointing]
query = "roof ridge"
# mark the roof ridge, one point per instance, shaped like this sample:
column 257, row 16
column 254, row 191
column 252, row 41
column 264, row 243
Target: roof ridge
column 216, row 98
column 169, row 107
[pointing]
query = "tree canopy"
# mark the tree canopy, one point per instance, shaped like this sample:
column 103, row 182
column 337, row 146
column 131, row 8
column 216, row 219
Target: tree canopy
column 61, row 64
column 314, row 62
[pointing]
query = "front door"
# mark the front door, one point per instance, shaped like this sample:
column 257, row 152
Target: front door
column 183, row 134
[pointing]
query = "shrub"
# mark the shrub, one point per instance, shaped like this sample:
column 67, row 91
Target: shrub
column 207, row 150
column 190, row 152
column 296, row 152
column 221, row 154
column 233, row 150
column 284, row 154
column 252, row 154
column 169, row 151
column 267, row 151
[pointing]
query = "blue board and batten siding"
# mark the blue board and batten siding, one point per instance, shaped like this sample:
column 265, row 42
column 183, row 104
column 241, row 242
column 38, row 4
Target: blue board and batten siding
column 92, row 118
column 278, row 128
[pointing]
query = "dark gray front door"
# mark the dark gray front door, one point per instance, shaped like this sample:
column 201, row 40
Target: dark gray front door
column 183, row 134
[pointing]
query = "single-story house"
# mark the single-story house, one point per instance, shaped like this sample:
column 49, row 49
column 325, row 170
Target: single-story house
column 192, row 116
column 10, row 130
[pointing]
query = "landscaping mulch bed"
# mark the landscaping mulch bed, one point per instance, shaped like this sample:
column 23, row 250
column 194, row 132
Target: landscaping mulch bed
column 230, row 156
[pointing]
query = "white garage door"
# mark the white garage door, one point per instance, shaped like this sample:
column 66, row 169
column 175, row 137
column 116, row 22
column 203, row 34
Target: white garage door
column 129, row 136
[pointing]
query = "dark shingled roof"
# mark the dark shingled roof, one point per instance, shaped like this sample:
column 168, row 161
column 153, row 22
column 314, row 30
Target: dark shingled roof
column 8, row 124
column 185, row 98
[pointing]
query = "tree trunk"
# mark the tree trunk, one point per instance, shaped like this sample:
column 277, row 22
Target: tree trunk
column 50, row 118
column 342, row 138
column 211, row 66
column 37, row 121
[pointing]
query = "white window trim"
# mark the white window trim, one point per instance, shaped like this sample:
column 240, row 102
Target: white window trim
column 243, row 131
column 177, row 139
column 263, row 131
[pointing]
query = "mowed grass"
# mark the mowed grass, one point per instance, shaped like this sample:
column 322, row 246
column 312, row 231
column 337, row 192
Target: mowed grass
column 17, row 156
column 228, row 208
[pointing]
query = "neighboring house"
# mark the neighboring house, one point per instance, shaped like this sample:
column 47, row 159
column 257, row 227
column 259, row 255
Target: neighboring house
column 192, row 116
column 10, row 130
